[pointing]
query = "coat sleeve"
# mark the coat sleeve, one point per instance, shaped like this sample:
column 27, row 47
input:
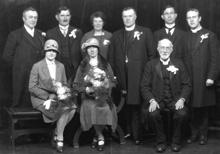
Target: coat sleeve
column 146, row 83
column 186, row 86
column 150, row 45
column 10, row 47
column 33, row 85
column 214, row 49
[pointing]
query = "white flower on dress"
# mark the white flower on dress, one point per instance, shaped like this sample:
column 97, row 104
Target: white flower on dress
column 73, row 33
column 106, row 42
column 43, row 34
column 137, row 34
column 204, row 36
column 172, row 69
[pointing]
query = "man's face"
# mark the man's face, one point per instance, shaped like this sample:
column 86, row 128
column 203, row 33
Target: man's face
column 129, row 17
column 165, row 49
column 169, row 16
column 30, row 19
column 193, row 19
column 64, row 18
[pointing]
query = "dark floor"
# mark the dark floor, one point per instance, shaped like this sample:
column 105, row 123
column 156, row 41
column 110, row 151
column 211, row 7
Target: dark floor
column 25, row 145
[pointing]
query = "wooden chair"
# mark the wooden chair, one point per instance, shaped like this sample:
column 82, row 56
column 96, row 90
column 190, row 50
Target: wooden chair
column 118, row 129
column 23, row 115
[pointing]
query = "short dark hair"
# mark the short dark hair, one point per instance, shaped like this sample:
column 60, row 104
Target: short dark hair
column 193, row 9
column 129, row 8
column 63, row 8
column 29, row 9
column 166, row 7
column 98, row 14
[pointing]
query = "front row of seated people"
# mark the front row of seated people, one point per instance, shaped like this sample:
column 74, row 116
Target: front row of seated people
column 165, row 84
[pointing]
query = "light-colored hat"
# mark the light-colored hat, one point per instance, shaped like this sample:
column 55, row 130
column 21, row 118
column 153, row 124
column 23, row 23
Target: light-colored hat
column 90, row 42
column 51, row 45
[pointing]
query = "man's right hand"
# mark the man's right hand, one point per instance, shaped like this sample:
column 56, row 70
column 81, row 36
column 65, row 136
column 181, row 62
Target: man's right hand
column 153, row 106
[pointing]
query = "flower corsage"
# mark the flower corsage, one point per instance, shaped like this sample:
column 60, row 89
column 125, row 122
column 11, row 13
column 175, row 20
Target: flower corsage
column 106, row 42
column 172, row 69
column 137, row 34
column 204, row 36
column 73, row 33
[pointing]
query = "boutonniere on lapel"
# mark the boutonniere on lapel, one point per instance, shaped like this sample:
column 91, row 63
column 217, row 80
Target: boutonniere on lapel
column 73, row 33
column 43, row 34
column 204, row 36
column 137, row 35
column 106, row 42
column 172, row 69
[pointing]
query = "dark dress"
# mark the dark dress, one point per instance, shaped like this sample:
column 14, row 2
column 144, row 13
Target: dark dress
column 91, row 113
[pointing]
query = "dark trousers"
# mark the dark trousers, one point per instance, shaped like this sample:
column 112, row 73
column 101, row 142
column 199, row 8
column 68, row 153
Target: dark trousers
column 179, row 121
column 199, row 120
column 133, row 120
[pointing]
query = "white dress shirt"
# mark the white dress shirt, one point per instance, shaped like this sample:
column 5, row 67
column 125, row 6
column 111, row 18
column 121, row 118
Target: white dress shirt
column 30, row 31
column 52, row 68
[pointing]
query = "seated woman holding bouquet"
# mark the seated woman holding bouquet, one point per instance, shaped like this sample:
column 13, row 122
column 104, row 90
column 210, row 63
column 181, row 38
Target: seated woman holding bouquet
column 94, row 80
column 49, row 93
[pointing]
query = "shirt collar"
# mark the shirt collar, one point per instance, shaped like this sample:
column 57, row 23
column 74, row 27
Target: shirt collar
column 196, row 30
column 130, row 28
column 64, row 28
column 170, row 25
column 165, row 62
column 30, row 31
column 50, row 62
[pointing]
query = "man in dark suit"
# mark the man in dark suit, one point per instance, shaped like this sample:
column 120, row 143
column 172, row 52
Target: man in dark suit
column 171, row 32
column 166, row 84
column 68, row 38
column 130, row 49
column 202, row 64
column 23, row 49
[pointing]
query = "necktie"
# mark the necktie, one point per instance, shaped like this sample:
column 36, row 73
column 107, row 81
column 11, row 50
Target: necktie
column 169, row 30
column 64, row 31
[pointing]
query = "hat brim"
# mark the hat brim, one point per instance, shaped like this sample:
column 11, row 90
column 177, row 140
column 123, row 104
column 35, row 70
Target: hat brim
column 44, row 51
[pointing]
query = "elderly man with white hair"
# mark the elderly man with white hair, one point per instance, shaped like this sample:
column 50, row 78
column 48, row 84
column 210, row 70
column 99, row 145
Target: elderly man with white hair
column 165, row 85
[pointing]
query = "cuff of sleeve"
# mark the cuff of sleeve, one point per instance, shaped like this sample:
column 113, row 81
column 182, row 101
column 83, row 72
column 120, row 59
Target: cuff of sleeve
column 151, row 100
column 183, row 99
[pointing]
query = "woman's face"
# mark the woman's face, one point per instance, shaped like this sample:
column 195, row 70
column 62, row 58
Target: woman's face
column 51, row 55
column 92, row 51
column 98, row 23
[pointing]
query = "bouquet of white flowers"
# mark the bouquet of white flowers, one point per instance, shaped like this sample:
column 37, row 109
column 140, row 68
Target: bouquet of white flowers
column 64, row 100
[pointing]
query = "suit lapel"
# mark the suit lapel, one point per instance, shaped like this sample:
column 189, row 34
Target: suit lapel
column 158, row 69
column 28, row 37
column 57, row 71
column 171, row 74
column 48, row 82
column 39, row 36
column 198, row 43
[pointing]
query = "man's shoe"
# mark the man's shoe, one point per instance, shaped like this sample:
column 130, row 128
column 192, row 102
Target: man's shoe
column 137, row 142
column 175, row 147
column 192, row 139
column 203, row 140
column 160, row 148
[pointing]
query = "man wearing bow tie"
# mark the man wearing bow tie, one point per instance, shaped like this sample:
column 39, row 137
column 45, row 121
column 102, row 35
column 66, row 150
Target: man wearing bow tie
column 130, row 49
column 171, row 32
column 23, row 49
column 165, row 84
column 68, row 38
column 202, row 64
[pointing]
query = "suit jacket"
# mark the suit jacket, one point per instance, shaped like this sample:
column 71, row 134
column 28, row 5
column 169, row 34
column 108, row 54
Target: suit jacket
column 21, row 53
column 202, row 64
column 152, row 82
column 177, row 40
column 40, row 83
column 74, row 48
column 139, row 51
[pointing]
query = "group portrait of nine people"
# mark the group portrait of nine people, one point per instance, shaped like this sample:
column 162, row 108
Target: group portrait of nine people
column 168, row 69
